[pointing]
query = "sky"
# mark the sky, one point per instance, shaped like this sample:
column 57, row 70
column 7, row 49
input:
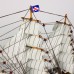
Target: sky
column 61, row 7
column 55, row 6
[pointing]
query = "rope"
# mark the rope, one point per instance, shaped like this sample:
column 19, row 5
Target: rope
column 11, row 30
column 51, row 13
column 13, row 13
column 6, row 38
column 10, row 24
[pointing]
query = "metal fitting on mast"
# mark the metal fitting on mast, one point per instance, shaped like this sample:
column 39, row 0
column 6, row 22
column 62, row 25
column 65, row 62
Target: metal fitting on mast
column 65, row 21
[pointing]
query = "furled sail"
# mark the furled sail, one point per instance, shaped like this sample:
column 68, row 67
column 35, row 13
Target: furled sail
column 18, row 50
column 36, row 50
column 32, row 53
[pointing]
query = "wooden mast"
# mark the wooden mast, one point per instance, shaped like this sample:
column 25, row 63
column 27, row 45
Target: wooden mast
column 30, row 13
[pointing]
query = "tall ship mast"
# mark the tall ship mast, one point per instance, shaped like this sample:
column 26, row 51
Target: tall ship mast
column 36, row 50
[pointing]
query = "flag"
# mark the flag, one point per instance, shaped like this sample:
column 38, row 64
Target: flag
column 35, row 8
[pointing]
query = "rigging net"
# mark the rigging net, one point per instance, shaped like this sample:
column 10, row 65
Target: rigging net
column 34, row 50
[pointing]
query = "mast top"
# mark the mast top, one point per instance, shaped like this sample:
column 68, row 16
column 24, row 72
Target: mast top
column 30, row 13
column 31, row 9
